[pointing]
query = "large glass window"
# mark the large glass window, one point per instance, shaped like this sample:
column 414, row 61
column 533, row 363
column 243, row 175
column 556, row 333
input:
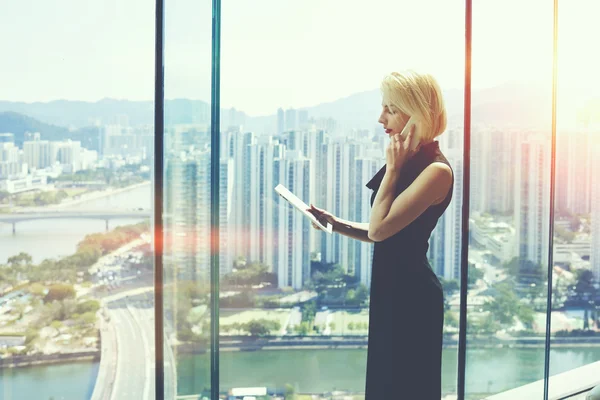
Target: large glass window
column 576, row 269
column 300, row 101
column 76, row 152
column 299, row 104
column 509, row 214
column 186, row 210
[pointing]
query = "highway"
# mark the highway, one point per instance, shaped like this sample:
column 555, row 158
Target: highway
column 134, row 379
column 127, row 370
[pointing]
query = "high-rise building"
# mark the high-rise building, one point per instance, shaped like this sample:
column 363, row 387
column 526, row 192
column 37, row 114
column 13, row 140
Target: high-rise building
column 501, row 171
column 316, row 151
column 579, row 172
column 295, row 140
column 268, row 226
column 294, row 229
column 241, row 208
column 182, row 219
column 122, row 140
column 10, row 164
column 187, row 215
column 453, row 221
column 9, row 152
column 260, row 233
column 562, row 170
column 340, row 195
column 492, row 170
column 68, row 154
column 532, row 208
column 7, row 138
column 36, row 153
column 226, row 255
column 445, row 242
column 480, row 174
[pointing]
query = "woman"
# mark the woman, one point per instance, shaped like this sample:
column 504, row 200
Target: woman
column 410, row 193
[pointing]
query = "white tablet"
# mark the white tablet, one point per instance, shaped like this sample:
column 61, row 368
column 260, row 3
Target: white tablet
column 302, row 207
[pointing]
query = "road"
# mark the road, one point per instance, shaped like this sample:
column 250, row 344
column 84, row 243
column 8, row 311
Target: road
column 134, row 378
column 127, row 369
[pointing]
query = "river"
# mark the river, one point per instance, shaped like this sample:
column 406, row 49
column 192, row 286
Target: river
column 54, row 238
column 488, row 370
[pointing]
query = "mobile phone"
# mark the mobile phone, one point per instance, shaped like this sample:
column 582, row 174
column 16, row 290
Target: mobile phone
column 416, row 137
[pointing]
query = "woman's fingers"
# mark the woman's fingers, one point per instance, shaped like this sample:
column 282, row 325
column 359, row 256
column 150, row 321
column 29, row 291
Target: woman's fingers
column 316, row 211
column 313, row 212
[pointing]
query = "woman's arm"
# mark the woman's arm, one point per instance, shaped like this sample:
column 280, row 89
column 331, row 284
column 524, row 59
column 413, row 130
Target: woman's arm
column 354, row 230
column 390, row 213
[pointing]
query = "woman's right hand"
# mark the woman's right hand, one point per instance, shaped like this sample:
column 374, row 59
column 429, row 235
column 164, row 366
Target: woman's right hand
column 323, row 216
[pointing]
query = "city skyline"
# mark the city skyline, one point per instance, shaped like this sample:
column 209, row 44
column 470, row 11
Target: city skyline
column 89, row 277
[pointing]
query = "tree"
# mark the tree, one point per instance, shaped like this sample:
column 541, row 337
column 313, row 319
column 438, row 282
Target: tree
column 505, row 305
column 64, row 309
column 37, row 289
column 262, row 327
column 250, row 274
column 489, row 325
column 309, row 311
column 61, row 195
column 289, row 392
column 303, row 329
column 88, row 318
column 19, row 260
column 474, row 274
column 88, row 306
column 59, row 291
column 244, row 299
column 526, row 315
column 450, row 286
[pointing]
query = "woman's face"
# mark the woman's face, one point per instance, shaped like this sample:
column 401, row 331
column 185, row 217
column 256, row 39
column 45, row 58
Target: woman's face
column 392, row 119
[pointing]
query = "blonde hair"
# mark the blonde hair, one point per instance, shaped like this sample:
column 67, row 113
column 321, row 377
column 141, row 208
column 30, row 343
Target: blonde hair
column 418, row 96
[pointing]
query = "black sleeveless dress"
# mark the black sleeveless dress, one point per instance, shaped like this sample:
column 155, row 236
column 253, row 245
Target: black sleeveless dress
column 406, row 312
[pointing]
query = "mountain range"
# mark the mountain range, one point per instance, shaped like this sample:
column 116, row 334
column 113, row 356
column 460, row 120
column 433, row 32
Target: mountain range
column 506, row 105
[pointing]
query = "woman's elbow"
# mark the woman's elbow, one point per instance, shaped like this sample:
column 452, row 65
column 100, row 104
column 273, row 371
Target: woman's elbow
column 375, row 236
column 383, row 232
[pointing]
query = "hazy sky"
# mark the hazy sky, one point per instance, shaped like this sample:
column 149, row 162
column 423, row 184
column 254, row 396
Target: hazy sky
column 283, row 53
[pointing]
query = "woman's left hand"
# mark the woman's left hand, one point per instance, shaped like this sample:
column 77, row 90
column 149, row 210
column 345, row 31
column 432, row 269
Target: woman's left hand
column 398, row 151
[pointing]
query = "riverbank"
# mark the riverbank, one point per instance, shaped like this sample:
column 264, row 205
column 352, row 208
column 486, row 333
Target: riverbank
column 83, row 198
column 96, row 195
column 312, row 343
column 248, row 344
column 44, row 359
